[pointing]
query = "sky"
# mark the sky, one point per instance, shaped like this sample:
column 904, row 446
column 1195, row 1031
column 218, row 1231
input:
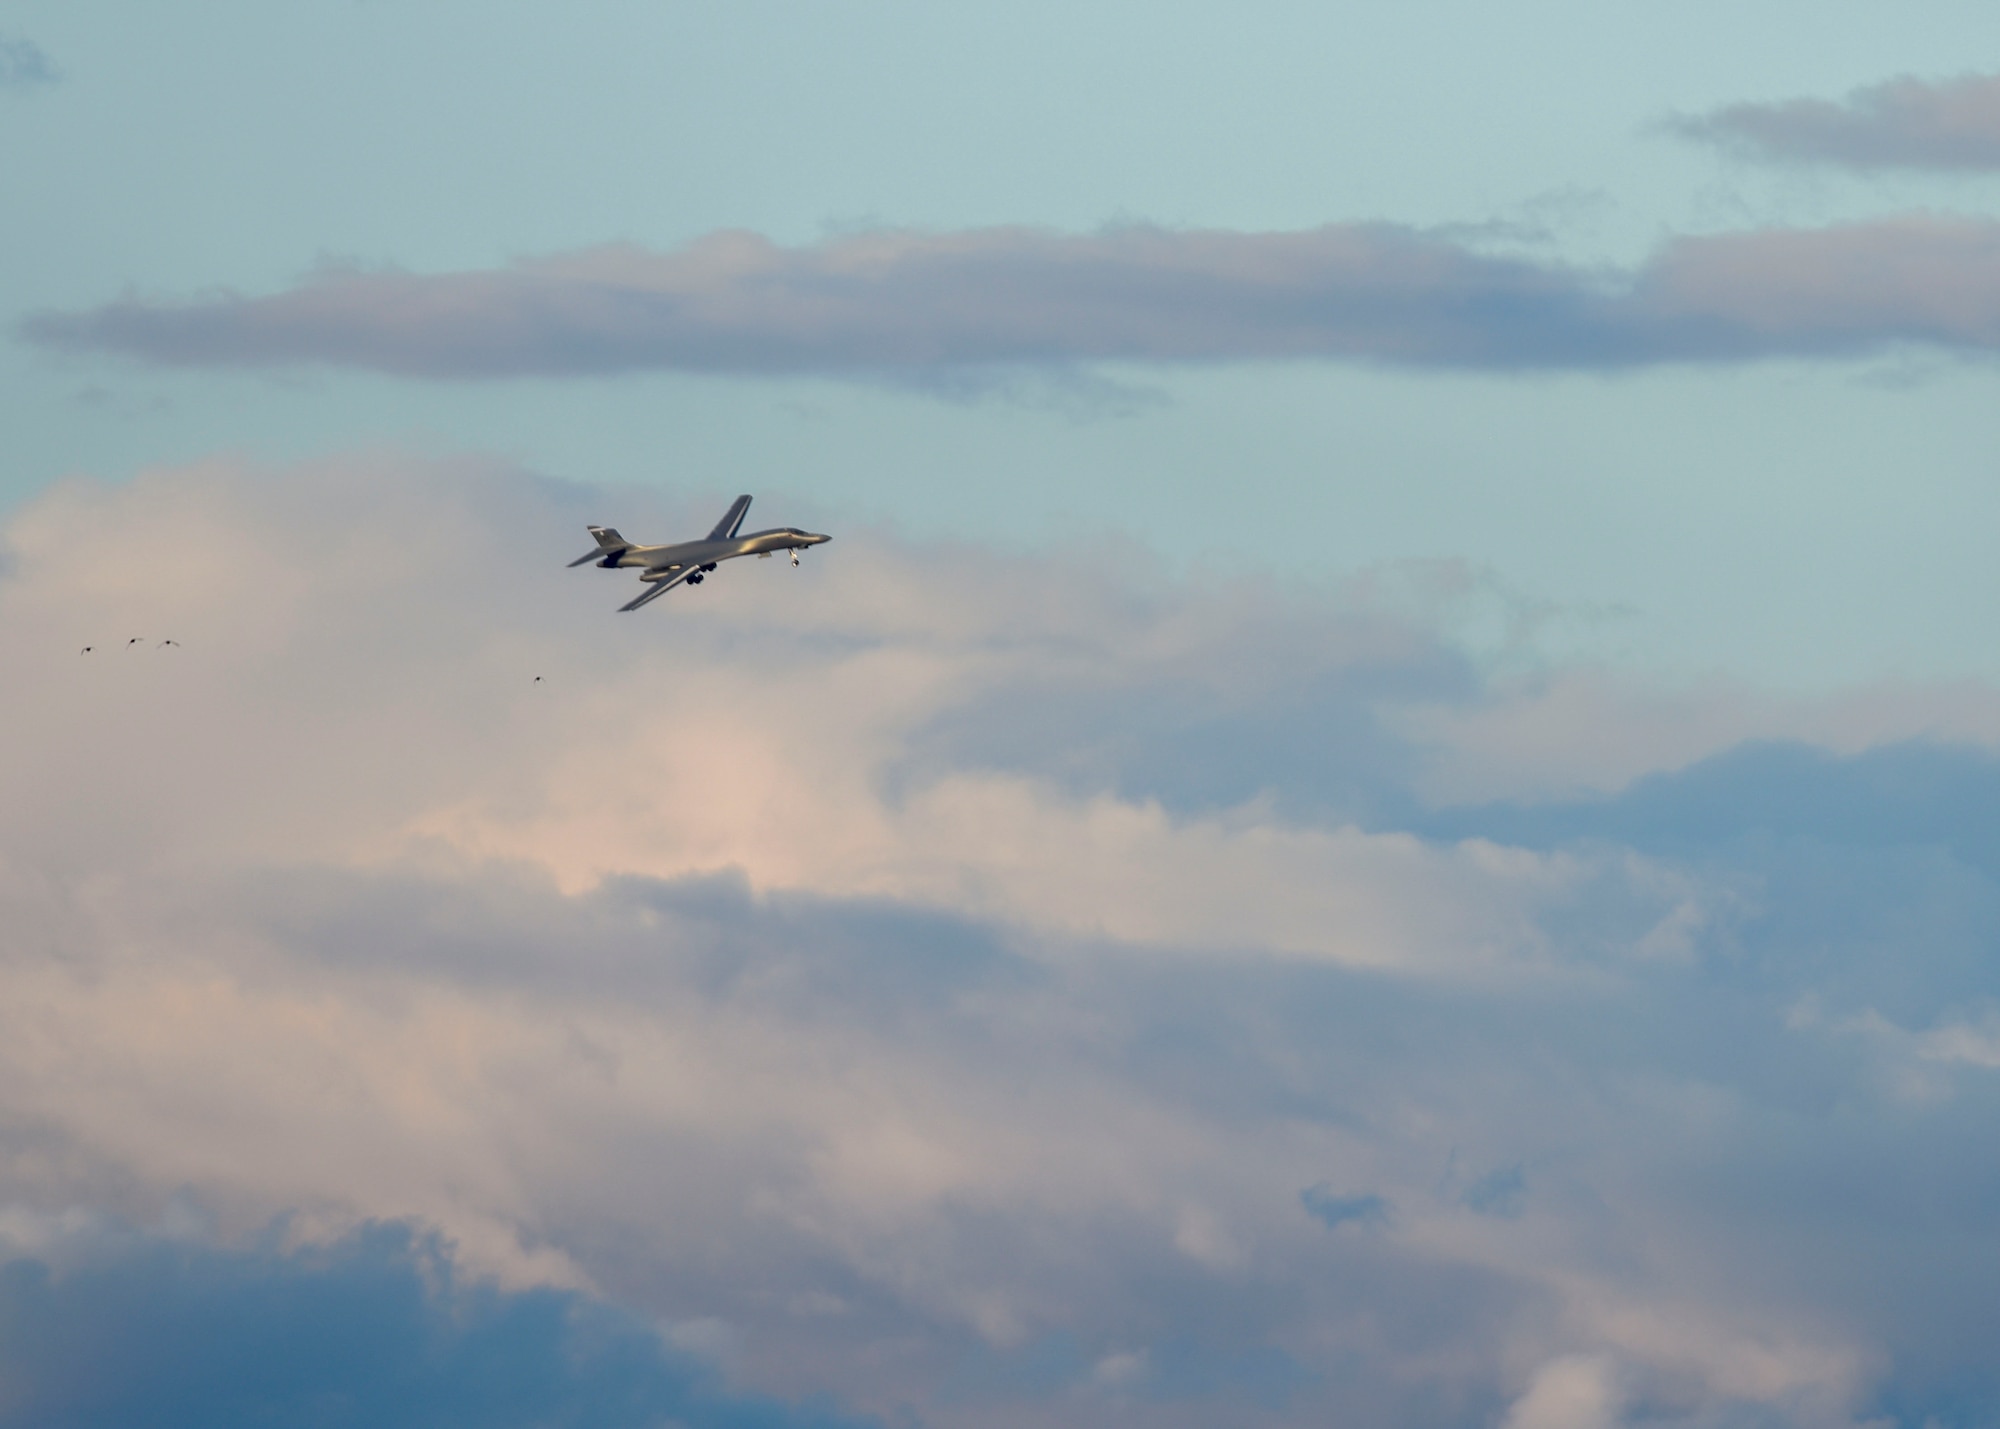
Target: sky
column 1380, row 810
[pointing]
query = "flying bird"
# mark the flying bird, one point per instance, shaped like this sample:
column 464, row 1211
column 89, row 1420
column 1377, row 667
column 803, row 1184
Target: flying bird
column 664, row 567
column 86, row 649
column 133, row 641
column 165, row 643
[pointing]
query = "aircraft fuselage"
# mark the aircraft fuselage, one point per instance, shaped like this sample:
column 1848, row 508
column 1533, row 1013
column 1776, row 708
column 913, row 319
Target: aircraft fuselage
column 683, row 554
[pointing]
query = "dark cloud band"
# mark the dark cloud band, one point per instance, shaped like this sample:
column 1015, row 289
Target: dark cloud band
column 1905, row 123
column 898, row 302
column 375, row 1329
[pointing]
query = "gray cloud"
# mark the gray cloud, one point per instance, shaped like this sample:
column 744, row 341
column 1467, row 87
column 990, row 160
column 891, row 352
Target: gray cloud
column 23, row 64
column 918, row 307
column 1331, row 1209
column 1497, row 1193
column 1917, row 793
column 882, row 1046
column 1906, row 123
column 377, row 1328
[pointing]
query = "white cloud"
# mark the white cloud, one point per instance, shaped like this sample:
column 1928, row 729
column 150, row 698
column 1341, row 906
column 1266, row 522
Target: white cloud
column 279, row 726
column 1964, row 1043
column 779, row 967
column 1564, row 733
column 1575, row 1392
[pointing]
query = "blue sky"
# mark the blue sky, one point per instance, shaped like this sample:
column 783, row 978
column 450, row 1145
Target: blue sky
column 1811, row 522
column 1380, row 811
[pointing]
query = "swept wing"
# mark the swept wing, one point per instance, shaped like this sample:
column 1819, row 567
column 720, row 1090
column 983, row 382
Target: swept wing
column 661, row 587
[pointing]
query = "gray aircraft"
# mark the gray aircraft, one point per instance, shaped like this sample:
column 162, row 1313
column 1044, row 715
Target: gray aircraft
column 664, row 567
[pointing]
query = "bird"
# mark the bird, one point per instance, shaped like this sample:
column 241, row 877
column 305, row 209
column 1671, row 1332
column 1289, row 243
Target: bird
column 538, row 679
column 86, row 649
column 133, row 641
column 165, row 643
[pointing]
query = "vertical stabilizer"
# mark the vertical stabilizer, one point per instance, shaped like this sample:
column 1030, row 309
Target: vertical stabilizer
column 609, row 546
column 726, row 528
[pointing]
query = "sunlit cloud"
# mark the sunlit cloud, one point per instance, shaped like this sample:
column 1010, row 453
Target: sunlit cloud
column 837, row 973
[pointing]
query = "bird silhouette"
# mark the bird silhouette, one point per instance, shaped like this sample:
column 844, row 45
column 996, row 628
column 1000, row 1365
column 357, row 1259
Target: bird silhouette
column 133, row 641
column 165, row 643
column 86, row 649
column 538, row 679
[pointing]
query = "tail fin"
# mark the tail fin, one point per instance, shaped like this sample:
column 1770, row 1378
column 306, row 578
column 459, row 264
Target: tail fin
column 728, row 525
column 609, row 544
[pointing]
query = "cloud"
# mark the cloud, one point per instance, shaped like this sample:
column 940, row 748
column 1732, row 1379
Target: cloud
column 376, row 1328
column 980, row 304
column 1561, row 733
column 23, row 65
column 1906, row 123
column 1575, row 1392
column 1910, row 793
column 1497, row 1193
column 840, row 974
column 1332, row 1209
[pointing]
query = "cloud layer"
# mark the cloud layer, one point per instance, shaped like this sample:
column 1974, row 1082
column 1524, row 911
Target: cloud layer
column 975, row 989
column 911, row 304
column 1907, row 123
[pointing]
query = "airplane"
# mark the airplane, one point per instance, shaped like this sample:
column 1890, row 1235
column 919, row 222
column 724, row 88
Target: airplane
column 664, row 567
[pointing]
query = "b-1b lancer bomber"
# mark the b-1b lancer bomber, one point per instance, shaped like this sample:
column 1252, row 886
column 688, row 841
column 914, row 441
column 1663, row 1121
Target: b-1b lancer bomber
column 664, row 567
